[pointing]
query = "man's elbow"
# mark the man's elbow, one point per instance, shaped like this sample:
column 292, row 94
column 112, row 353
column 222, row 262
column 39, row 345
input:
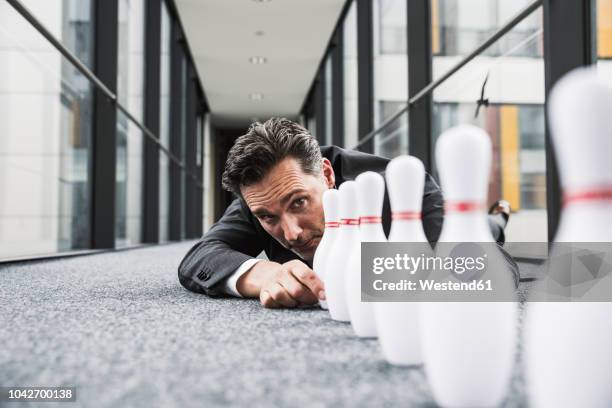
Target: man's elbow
column 196, row 280
column 187, row 281
column 188, row 274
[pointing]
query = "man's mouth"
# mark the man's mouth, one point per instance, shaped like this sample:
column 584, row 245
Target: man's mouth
column 307, row 245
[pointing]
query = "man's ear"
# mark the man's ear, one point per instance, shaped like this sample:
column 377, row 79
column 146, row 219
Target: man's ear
column 328, row 173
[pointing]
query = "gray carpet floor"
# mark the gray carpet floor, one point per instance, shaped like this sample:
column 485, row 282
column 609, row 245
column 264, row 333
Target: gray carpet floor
column 120, row 328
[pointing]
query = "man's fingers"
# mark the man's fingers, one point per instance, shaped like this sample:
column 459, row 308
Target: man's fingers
column 308, row 278
column 266, row 300
column 296, row 290
column 281, row 296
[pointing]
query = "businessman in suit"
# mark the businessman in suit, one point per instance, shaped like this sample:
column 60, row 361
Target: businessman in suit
column 279, row 172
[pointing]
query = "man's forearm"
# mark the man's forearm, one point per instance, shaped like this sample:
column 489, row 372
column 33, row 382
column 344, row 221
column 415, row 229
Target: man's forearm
column 250, row 284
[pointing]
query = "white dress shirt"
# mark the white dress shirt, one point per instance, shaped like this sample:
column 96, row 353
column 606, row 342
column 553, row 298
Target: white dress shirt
column 232, row 281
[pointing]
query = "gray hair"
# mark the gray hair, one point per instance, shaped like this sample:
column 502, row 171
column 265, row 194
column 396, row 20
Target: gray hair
column 265, row 145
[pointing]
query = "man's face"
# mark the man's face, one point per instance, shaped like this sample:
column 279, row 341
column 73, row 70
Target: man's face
column 287, row 203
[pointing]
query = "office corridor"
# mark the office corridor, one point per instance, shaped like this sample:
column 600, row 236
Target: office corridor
column 120, row 328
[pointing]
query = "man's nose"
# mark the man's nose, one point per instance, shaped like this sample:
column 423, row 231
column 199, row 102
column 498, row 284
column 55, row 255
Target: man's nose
column 291, row 229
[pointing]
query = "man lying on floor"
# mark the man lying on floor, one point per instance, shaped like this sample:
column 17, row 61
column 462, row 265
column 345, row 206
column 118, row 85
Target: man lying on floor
column 279, row 173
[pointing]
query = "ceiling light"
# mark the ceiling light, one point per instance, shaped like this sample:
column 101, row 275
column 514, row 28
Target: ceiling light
column 256, row 96
column 261, row 1
column 259, row 33
column 258, row 60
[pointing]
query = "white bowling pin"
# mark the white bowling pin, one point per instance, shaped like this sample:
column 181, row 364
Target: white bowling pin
column 468, row 347
column 331, row 202
column 568, row 358
column 370, row 196
column 397, row 323
column 340, row 252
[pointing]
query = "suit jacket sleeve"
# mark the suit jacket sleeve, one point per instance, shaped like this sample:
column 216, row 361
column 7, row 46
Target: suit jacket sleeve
column 230, row 242
column 432, row 209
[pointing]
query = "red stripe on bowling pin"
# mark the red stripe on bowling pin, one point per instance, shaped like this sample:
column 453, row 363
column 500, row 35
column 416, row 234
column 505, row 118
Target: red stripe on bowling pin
column 332, row 224
column 370, row 220
column 596, row 194
column 463, row 206
column 349, row 221
column 406, row 215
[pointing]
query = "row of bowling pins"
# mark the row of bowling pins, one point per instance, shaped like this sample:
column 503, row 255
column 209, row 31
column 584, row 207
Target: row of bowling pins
column 468, row 349
column 440, row 335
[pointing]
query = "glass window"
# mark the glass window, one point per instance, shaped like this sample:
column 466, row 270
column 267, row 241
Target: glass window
column 503, row 94
column 128, row 211
column 351, row 135
column 199, row 140
column 312, row 125
column 45, row 128
column 459, row 26
column 604, row 29
column 604, row 38
column 164, row 124
column 392, row 141
column 208, row 174
column 390, row 75
column 69, row 21
column 390, row 26
column 128, row 194
column 328, row 101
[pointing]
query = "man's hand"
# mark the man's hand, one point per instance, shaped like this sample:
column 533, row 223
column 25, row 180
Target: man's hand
column 291, row 284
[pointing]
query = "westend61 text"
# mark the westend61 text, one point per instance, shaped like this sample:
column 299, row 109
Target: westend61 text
column 432, row 285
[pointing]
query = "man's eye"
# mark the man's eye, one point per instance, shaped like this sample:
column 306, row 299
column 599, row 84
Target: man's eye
column 266, row 218
column 298, row 203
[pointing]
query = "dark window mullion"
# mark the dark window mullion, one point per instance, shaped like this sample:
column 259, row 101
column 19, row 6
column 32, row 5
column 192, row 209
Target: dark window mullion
column 568, row 44
column 365, row 73
column 319, row 105
column 152, row 81
column 338, row 87
column 104, row 139
column 190, row 156
column 419, row 76
column 176, row 66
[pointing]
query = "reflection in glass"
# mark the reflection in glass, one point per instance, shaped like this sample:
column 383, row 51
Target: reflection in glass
column 128, row 218
column 351, row 135
column 311, row 124
column 390, row 75
column 164, row 124
column 511, row 110
column 129, row 137
column 45, row 128
column 459, row 26
column 392, row 141
column 69, row 21
column 390, row 26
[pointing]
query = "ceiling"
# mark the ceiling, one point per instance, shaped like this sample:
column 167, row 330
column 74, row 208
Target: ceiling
column 224, row 34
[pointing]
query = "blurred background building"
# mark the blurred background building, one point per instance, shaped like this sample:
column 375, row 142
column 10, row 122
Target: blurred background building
column 116, row 116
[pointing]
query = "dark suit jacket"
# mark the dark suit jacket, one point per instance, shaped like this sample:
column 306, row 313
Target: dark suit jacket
column 238, row 236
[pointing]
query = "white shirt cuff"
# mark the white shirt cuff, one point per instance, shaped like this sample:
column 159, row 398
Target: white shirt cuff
column 232, row 281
